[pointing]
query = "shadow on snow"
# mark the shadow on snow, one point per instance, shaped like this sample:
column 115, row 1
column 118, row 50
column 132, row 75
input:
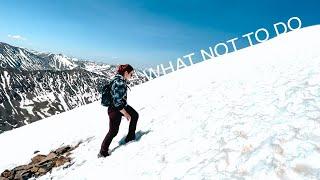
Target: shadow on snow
column 139, row 134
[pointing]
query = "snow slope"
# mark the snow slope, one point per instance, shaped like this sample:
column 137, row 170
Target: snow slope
column 250, row 114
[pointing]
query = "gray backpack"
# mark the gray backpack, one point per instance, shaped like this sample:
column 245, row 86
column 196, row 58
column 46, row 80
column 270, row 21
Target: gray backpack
column 106, row 99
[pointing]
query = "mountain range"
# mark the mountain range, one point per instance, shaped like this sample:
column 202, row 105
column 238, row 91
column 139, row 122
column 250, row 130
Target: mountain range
column 35, row 85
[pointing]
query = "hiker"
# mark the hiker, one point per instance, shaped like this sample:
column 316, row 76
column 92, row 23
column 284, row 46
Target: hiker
column 119, row 108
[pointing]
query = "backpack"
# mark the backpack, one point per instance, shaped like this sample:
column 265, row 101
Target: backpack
column 106, row 98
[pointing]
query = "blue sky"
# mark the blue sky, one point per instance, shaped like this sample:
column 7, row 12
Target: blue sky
column 143, row 33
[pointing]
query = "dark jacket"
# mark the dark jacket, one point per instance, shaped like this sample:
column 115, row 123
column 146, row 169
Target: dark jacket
column 119, row 92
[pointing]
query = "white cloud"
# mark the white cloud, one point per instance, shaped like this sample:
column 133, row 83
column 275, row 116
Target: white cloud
column 17, row 37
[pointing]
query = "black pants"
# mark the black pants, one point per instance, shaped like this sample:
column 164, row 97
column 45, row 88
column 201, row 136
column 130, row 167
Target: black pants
column 114, row 123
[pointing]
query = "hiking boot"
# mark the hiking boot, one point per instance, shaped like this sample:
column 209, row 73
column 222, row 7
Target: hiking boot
column 130, row 138
column 102, row 155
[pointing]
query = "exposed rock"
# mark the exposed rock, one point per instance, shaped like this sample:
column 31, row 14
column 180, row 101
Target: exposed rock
column 62, row 150
column 61, row 161
column 35, row 169
column 6, row 174
column 37, row 158
column 20, row 168
column 40, row 164
column 50, row 157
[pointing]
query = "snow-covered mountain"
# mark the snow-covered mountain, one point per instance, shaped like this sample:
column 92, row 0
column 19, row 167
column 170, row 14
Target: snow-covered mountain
column 58, row 61
column 28, row 96
column 105, row 69
column 252, row 114
column 25, row 59
column 36, row 85
column 20, row 58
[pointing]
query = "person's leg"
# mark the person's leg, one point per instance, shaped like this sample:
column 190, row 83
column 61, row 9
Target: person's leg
column 114, row 123
column 133, row 123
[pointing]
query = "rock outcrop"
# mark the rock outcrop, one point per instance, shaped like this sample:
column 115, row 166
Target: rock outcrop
column 40, row 164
